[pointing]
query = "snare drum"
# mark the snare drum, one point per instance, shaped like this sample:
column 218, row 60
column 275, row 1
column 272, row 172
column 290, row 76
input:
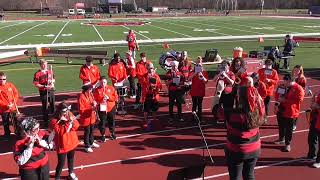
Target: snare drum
column 121, row 89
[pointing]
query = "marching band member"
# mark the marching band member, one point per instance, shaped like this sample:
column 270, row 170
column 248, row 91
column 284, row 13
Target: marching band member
column 226, row 100
column 199, row 78
column 44, row 80
column 89, row 73
column 238, row 67
column 87, row 111
column 106, row 96
column 243, row 146
column 288, row 49
column 29, row 152
column 65, row 125
column 270, row 77
column 151, row 85
column 117, row 69
column 141, row 71
column 185, row 67
column 132, row 43
column 287, row 108
column 131, row 71
column 314, row 132
column 259, row 85
column 298, row 75
column 175, row 81
column 8, row 105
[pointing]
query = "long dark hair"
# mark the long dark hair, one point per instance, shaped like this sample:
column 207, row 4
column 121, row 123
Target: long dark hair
column 59, row 109
column 252, row 117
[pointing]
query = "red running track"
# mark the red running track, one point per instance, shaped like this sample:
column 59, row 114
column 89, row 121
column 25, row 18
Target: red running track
column 137, row 154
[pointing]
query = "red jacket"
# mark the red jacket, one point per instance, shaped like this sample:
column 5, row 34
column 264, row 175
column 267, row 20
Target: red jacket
column 89, row 75
column 141, row 70
column 38, row 158
column 198, row 87
column 146, row 87
column 262, row 89
column 117, row 72
column 186, row 70
column 63, row 140
column 86, row 112
column 8, row 94
column 109, row 91
column 169, row 77
column 270, row 74
column 302, row 81
column 290, row 106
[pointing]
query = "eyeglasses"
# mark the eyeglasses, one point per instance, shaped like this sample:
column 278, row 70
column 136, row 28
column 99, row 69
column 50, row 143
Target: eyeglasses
column 3, row 79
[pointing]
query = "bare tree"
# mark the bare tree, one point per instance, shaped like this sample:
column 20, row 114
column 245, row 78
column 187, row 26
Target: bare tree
column 261, row 6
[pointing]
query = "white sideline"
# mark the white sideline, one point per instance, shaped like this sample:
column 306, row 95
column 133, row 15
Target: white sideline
column 122, row 42
column 60, row 32
column 24, row 32
column 12, row 25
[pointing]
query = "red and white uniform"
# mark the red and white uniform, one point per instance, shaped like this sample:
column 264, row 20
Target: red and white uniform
column 131, row 39
column 8, row 94
column 146, row 87
column 87, row 114
column 292, row 101
column 131, row 69
column 109, row 91
column 141, row 70
column 21, row 154
column 89, row 74
column 42, row 77
column 170, row 75
column 273, row 77
column 117, row 72
column 185, row 69
column 198, row 87
column 65, row 140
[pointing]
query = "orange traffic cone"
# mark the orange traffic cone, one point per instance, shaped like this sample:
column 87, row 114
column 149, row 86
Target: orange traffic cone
column 260, row 40
column 165, row 46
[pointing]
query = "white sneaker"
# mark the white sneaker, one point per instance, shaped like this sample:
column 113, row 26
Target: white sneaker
column 73, row 176
column 133, row 97
column 95, row 145
column 316, row 165
column 89, row 150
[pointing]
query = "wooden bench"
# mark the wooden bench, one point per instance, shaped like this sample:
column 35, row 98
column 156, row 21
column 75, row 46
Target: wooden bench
column 76, row 54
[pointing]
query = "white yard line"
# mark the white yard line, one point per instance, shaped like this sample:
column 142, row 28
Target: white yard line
column 169, row 30
column 60, row 32
column 97, row 31
column 215, row 25
column 24, row 32
column 168, row 40
column 138, row 33
column 192, row 27
column 12, row 25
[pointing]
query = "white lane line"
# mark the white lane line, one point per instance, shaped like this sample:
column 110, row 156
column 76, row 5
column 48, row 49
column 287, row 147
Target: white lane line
column 169, row 30
column 60, row 32
column 24, row 32
column 192, row 27
column 97, row 31
column 137, row 33
column 81, row 167
column 225, row 27
column 12, row 25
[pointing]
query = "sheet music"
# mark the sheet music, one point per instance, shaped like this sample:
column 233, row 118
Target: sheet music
column 281, row 91
column 103, row 107
column 197, row 69
column 176, row 80
column 268, row 72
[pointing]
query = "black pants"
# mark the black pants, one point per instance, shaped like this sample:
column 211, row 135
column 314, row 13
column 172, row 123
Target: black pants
column 46, row 106
column 241, row 167
column 176, row 97
column 132, row 86
column 88, row 135
column 314, row 142
column 109, row 118
column 266, row 104
column 197, row 104
column 61, row 161
column 139, row 91
column 285, row 128
column 41, row 173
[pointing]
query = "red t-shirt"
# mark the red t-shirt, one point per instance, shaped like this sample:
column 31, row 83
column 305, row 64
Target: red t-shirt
column 198, row 87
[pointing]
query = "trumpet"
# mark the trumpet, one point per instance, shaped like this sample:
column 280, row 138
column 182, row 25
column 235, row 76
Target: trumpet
column 237, row 81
